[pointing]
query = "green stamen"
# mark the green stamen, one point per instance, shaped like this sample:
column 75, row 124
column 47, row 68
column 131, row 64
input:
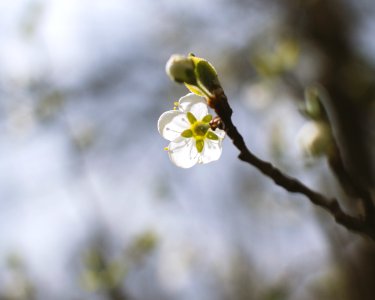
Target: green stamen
column 200, row 128
column 199, row 144
column 188, row 133
column 191, row 118
column 207, row 119
column 212, row 136
column 199, row 131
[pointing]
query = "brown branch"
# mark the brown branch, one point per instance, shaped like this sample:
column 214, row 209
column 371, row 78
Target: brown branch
column 350, row 186
column 358, row 224
column 335, row 160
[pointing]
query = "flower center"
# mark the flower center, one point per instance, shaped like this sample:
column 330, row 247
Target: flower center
column 200, row 128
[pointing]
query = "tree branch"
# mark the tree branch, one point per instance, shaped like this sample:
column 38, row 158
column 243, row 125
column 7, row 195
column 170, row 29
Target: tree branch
column 358, row 224
column 335, row 160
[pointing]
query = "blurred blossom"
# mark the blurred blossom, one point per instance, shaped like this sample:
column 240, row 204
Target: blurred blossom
column 314, row 138
column 175, row 267
column 259, row 95
column 275, row 56
column 20, row 119
column 48, row 106
column 142, row 245
column 17, row 285
column 83, row 134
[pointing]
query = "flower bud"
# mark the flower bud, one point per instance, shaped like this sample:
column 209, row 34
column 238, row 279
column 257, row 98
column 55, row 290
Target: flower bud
column 181, row 69
column 206, row 75
column 313, row 102
column 315, row 138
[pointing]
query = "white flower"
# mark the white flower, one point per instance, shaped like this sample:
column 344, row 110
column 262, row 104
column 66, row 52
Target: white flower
column 314, row 138
column 187, row 128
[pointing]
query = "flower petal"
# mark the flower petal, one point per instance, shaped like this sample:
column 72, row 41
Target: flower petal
column 172, row 123
column 199, row 110
column 188, row 100
column 183, row 152
column 219, row 132
column 211, row 151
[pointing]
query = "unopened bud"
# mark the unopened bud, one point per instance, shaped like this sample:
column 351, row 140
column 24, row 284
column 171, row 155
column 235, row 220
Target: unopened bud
column 313, row 102
column 216, row 123
column 206, row 75
column 181, row 69
column 315, row 138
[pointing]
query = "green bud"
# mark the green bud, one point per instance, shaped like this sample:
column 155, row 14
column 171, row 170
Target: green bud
column 206, row 75
column 199, row 76
column 315, row 138
column 181, row 69
column 313, row 103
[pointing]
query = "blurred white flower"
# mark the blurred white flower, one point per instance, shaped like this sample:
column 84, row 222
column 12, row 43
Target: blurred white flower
column 191, row 138
column 314, row 138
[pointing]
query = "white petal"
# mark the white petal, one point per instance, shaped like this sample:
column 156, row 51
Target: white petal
column 188, row 100
column 219, row 132
column 314, row 138
column 211, row 151
column 199, row 110
column 183, row 152
column 172, row 123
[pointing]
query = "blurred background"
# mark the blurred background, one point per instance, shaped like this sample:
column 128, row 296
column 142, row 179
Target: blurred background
column 91, row 206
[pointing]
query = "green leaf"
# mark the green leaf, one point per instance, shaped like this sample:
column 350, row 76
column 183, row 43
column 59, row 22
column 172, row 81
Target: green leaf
column 314, row 99
column 194, row 89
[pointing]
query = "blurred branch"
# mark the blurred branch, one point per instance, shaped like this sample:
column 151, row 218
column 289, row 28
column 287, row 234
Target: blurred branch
column 351, row 187
column 106, row 275
column 358, row 224
column 21, row 286
column 334, row 156
column 348, row 78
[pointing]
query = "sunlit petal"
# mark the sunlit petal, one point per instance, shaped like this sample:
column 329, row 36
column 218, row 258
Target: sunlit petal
column 187, row 101
column 211, row 151
column 220, row 133
column 183, row 152
column 172, row 123
column 199, row 110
